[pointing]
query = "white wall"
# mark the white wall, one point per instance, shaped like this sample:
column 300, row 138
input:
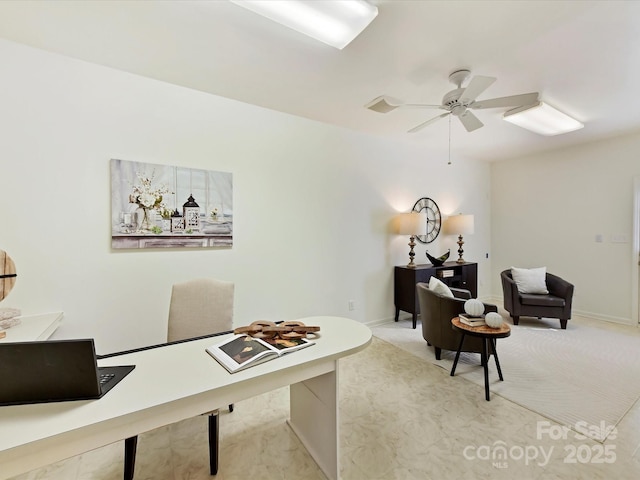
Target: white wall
column 547, row 210
column 312, row 202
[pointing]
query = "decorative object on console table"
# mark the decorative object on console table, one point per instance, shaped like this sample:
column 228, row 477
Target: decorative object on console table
column 438, row 261
column 459, row 225
column 412, row 224
column 456, row 275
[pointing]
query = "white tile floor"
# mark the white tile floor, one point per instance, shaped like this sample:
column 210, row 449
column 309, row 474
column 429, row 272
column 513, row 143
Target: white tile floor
column 401, row 418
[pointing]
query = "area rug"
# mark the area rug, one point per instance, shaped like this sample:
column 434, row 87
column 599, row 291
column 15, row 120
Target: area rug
column 584, row 378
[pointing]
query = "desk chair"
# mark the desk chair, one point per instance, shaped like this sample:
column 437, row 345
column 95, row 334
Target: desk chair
column 198, row 307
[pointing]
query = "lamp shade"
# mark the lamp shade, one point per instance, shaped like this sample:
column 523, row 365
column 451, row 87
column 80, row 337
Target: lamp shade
column 459, row 225
column 413, row 223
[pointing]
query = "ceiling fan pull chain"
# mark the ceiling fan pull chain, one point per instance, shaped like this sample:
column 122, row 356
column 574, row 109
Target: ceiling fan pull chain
column 449, row 140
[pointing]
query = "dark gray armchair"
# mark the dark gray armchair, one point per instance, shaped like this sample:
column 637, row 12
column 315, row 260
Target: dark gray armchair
column 436, row 312
column 556, row 304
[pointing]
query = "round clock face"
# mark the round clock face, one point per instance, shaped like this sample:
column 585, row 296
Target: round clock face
column 433, row 219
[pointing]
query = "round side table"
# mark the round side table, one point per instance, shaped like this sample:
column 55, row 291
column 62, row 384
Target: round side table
column 489, row 336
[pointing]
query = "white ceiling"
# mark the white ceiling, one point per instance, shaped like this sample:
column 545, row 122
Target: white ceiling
column 582, row 56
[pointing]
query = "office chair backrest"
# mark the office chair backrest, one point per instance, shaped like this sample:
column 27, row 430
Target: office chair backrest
column 200, row 307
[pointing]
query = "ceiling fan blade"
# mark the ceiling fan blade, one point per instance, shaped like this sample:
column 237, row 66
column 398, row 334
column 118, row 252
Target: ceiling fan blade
column 385, row 104
column 477, row 85
column 428, row 122
column 421, row 105
column 512, row 101
column 470, row 121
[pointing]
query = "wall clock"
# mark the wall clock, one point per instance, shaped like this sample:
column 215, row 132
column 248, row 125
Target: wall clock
column 434, row 219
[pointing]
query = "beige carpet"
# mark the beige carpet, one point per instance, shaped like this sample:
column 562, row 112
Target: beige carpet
column 584, row 377
column 401, row 418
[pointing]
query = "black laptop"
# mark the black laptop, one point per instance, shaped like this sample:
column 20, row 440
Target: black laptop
column 54, row 371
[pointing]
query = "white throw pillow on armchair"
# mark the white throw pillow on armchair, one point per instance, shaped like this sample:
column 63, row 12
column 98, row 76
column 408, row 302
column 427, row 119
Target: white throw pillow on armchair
column 440, row 287
column 530, row 280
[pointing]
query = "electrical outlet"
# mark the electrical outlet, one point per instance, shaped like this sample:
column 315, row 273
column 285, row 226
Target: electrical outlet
column 352, row 305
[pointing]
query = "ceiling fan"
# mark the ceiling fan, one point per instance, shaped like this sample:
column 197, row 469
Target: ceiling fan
column 458, row 102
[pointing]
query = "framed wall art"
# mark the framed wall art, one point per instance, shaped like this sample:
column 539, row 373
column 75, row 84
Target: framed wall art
column 156, row 206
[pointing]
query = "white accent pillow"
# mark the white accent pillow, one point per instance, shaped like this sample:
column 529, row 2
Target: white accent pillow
column 530, row 280
column 440, row 287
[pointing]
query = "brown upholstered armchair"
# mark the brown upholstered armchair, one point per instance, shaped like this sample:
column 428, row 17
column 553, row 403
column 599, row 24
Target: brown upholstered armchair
column 556, row 304
column 436, row 312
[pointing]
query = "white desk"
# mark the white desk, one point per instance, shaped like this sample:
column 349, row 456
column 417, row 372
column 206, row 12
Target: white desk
column 172, row 383
column 33, row 327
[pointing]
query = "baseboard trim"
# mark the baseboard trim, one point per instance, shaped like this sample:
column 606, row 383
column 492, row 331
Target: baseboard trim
column 382, row 321
column 605, row 318
column 491, row 299
column 596, row 316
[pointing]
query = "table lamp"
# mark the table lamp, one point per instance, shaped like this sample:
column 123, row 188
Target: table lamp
column 412, row 224
column 459, row 225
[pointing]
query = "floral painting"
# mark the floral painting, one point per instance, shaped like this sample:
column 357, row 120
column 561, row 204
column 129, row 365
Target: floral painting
column 156, row 206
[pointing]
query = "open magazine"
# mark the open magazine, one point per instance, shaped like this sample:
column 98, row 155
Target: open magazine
column 243, row 351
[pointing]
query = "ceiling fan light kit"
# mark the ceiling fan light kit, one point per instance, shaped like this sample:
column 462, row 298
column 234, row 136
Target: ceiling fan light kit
column 458, row 102
column 543, row 119
column 334, row 22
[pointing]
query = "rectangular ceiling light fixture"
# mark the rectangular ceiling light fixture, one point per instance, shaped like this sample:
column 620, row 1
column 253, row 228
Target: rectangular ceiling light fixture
column 334, row 22
column 543, row 119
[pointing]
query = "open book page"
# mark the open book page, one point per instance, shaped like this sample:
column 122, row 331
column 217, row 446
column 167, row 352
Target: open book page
column 243, row 351
column 287, row 345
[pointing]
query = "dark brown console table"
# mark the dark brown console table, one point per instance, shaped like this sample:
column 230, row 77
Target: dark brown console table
column 458, row 275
